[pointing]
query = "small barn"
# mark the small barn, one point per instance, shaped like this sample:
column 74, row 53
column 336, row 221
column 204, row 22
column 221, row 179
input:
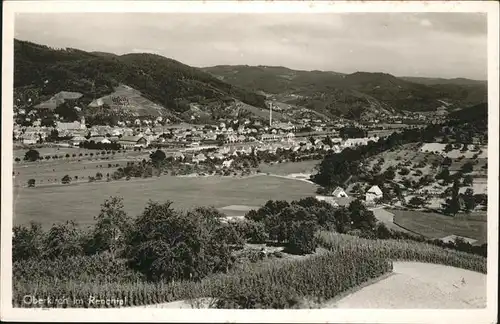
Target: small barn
column 373, row 193
column 339, row 193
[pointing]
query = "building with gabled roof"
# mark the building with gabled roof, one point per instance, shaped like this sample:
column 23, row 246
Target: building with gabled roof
column 339, row 193
column 373, row 193
column 133, row 141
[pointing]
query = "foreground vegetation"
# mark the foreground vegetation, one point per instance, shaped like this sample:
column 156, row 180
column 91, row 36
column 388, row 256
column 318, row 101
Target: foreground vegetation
column 276, row 285
column 168, row 255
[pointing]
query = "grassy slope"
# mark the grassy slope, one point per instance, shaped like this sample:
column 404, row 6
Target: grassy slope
column 434, row 225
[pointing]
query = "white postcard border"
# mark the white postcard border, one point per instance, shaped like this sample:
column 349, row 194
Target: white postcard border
column 487, row 315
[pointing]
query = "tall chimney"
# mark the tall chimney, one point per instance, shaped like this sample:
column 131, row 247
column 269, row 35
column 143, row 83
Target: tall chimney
column 271, row 114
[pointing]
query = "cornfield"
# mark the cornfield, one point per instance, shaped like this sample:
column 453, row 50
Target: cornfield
column 275, row 285
column 403, row 250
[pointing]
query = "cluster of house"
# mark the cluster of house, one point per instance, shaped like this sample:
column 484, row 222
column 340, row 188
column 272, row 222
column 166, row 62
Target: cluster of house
column 227, row 153
column 340, row 198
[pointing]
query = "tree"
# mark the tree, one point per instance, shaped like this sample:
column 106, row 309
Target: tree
column 32, row 155
column 157, row 157
column 63, row 241
column 467, row 167
column 469, row 201
column 468, row 180
column 416, row 202
column 448, row 147
column 389, row 174
column 98, row 176
column 443, row 175
column 404, row 171
column 112, row 227
column 361, row 217
column 53, row 136
column 452, row 204
column 302, row 238
column 31, row 183
column 66, row 179
column 446, row 161
column 27, row 241
column 383, row 232
column 174, row 245
column 335, row 170
column 328, row 141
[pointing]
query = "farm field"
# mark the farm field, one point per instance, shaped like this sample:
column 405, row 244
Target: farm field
column 53, row 171
column 290, row 167
column 434, row 225
column 81, row 202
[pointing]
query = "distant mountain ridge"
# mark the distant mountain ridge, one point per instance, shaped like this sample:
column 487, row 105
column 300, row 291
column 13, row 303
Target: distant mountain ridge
column 354, row 95
column 434, row 81
column 153, row 85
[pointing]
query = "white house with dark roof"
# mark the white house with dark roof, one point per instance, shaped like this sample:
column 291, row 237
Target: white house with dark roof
column 339, row 193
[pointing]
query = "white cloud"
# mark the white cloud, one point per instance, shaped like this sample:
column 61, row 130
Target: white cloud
column 337, row 42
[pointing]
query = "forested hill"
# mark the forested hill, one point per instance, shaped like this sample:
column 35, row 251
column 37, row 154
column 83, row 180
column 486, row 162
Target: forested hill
column 45, row 71
column 456, row 81
column 353, row 94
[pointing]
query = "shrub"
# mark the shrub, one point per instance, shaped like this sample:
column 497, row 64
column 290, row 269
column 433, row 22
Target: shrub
column 31, row 183
column 66, row 179
column 31, row 155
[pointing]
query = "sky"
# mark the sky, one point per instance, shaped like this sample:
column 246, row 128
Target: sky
column 444, row 45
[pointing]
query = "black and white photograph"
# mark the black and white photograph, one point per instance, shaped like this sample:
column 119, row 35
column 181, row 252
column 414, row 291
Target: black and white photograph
column 233, row 158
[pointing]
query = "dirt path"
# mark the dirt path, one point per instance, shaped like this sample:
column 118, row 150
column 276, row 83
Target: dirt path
column 420, row 285
column 292, row 176
column 387, row 218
